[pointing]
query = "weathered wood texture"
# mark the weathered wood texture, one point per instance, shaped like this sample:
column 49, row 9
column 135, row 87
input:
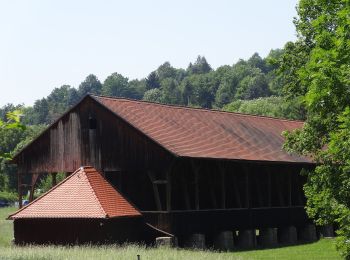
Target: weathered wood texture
column 91, row 135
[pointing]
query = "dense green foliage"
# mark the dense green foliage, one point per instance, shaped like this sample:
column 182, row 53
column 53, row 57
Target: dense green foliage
column 318, row 71
column 198, row 85
column 271, row 106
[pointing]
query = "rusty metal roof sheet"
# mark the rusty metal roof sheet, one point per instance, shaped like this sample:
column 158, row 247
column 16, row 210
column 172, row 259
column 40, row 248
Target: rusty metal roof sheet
column 201, row 133
column 84, row 194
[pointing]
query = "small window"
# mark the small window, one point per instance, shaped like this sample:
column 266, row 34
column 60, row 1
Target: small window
column 92, row 123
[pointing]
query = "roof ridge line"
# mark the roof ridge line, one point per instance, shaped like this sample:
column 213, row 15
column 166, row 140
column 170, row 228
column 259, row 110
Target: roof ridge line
column 197, row 108
column 94, row 193
column 46, row 193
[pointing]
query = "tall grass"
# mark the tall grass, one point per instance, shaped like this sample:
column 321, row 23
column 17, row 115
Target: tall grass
column 323, row 249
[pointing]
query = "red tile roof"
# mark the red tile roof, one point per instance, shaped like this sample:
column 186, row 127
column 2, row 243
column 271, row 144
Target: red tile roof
column 84, row 194
column 201, row 133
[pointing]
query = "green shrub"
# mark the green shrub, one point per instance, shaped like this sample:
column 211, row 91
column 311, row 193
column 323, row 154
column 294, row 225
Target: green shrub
column 8, row 196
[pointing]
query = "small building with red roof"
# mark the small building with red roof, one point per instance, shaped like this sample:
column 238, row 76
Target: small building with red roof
column 82, row 208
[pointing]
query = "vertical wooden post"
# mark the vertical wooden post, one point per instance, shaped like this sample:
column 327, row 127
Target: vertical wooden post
column 223, row 186
column 196, row 190
column 35, row 177
column 237, row 192
column 19, row 180
column 155, row 191
column 258, row 189
column 269, row 188
column 196, row 185
column 289, row 189
column 54, row 179
column 168, row 190
column 247, row 190
column 223, row 189
column 186, row 194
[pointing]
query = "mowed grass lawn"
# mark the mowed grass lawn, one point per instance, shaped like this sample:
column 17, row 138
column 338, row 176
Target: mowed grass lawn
column 323, row 249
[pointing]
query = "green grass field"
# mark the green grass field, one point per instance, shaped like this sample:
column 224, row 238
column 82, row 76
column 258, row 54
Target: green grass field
column 323, row 249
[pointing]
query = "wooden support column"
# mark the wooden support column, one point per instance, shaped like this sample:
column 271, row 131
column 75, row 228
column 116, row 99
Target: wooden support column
column 269, row 191
column 35, row 177
column 155, row 190
column 168, row 190
column 19, row 180
column 223, row 186
column 236, row 190
column 247, row 186
column 196, row 190
column 54, row 179
column 258, row 189
column 247, row 190
column 196, row 184
column 289, row 189
column 186, row 193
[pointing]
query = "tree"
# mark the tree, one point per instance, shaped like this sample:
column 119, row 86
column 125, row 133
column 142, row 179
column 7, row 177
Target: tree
column 170, row 92
column 153, row 95
column 91, row 85
column 269, row 106
column 41, row 112
column 116, row 85
column 11, row 131
column 253, row 86
column 152, row 81
column 257, row 62
column 199, row 67
column 317, row 66
column 166, row 71
column 137, row 88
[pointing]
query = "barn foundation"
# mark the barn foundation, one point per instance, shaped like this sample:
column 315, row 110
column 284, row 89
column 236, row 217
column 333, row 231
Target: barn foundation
column 268, row 237
column 224, row 241
column 166, row 242
column 288, row 235
column 196, row 241
column 308, row 233
column 246, row 239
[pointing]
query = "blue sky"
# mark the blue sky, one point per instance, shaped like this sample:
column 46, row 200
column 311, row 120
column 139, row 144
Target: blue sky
column 45, row 44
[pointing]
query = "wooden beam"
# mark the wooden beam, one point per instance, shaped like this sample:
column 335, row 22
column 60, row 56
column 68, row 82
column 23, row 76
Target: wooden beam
column 223, row 185
column 247, row 190
column 289, row 188
column 247, row 186
column 186, row 193
column 258, row 190
column 196, row 184
column 19, row 180
column 196, row 190
column 168, row 189
column 269, row 191
column 155, row 191
column 35, row 177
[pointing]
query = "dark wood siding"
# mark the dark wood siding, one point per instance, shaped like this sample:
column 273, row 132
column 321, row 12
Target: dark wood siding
column 112, row 146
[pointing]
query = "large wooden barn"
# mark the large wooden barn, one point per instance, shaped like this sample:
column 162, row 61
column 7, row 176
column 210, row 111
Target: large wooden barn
column 193, row 173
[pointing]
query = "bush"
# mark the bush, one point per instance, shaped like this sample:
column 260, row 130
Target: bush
column 8, row 196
